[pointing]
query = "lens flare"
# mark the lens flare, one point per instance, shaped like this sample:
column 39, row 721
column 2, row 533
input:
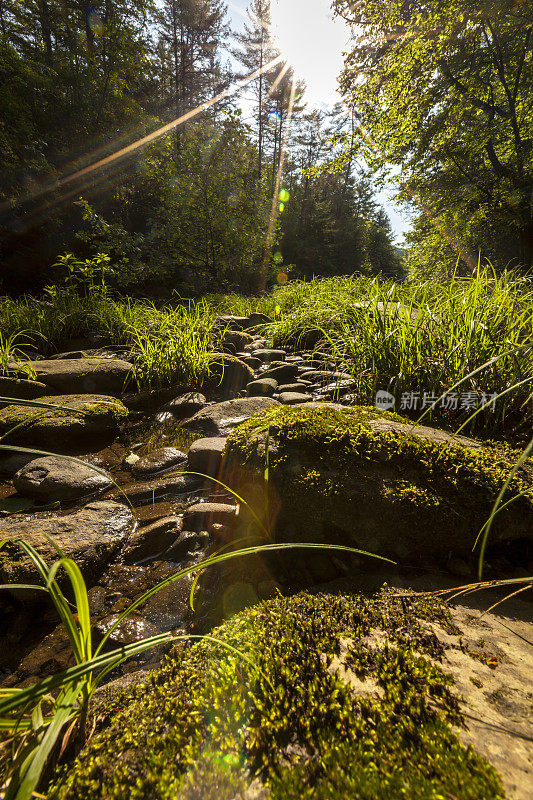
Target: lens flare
column 94, row 21
column 284, row 196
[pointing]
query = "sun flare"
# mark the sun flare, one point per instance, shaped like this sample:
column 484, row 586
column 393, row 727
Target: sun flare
column 313, row 41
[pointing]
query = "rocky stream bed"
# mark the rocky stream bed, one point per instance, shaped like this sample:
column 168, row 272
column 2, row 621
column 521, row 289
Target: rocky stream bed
column 337, row 473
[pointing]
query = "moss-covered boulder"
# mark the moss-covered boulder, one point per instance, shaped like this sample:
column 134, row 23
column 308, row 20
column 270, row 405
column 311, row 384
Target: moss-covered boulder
column 228, row 374
column 80, row 418
column 371, row 479
column 317, row 697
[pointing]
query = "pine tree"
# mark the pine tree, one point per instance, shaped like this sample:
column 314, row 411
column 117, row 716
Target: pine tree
column 191, row 35
column 254, row 51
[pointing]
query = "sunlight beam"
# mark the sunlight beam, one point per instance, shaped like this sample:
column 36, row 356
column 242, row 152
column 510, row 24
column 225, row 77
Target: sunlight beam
column 124, row 151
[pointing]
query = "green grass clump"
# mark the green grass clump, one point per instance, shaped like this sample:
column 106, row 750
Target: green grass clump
column 415, row 337
column 284, row 717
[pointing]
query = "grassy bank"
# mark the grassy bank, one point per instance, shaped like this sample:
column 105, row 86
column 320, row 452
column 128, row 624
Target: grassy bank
column 421, row 338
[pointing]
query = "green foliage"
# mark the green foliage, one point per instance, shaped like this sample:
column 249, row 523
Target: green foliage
column 445, row 95
column 82, row 277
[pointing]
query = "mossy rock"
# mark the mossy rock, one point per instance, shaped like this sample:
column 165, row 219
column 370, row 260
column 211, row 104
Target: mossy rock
column 228, row 374
column 82, row 417
column 317, row 697
column 368, row 478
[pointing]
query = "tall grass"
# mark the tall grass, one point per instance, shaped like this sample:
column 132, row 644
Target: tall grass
column 421, row 338
column 167, row 345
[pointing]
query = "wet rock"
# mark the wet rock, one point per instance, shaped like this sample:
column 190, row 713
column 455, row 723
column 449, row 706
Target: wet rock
column 54, row 478
column 90, row 416
column 186, row 405
column 158, row 460
column 91, row 536
column 189, row 545
column 98, row 375
column 152, row 540
column 134, row 628
column 285, row 373
column 223, row 417
column 202, row 515
column 267, row 356
column 149, row 491
column 52, row 655
column 263, row 387
column 292, row 398
column 229, row 374
column 170, row 606
column 205, row 455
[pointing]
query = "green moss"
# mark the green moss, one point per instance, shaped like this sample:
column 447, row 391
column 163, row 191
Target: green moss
column 35, row 424
column 329, row 464
column 284, row 717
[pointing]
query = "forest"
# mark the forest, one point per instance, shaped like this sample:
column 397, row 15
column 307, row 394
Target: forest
column 266, row 399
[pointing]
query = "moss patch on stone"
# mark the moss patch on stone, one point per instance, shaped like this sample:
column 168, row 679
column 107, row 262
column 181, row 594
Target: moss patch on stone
column 39, row 426
column 278, row 713
column 340, row 464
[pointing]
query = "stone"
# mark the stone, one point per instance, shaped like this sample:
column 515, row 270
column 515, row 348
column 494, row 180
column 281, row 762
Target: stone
column 252, row 362
column 220, row 418
column 257, row 343
column 201, row 516
column 236, row 339
column 149, row 491
column 256, row 318
column 186, row 405
column 263, row 387
column 267, row 356
column 400, row 707
column 54, row 478
column 355, row 475
column 229, row 374
column 163, row 458
column 152, row 540
column 205, row 455
column 21, row 389
column 189, row 545
column 59, row 429
column 12, row 462
column 299, row 386
column 133, row 628
column 337, row 388
column 85, row 375
column 292, row 398
column 232, row 322
column 285, row 373
column 91, row 536
column 170, row 606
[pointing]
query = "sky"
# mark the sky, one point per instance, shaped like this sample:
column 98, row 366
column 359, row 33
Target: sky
column 313, row 42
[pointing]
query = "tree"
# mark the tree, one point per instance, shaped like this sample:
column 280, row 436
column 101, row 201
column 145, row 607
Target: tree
column 191, row 35
column 254, row 51
column 444, row 91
